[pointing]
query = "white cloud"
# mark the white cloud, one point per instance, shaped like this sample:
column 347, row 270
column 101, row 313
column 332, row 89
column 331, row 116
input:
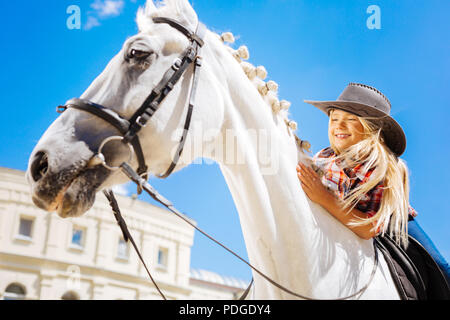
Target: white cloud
column 103, row 9
column 108, row 8
column 91, row 23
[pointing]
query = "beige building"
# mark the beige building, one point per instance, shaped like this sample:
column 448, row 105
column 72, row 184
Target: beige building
column 45, row 257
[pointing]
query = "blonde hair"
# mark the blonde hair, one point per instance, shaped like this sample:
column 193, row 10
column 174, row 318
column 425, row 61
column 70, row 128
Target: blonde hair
column 392, row 172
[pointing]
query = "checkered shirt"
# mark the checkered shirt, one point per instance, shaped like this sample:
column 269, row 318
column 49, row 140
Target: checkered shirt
column 342, row 181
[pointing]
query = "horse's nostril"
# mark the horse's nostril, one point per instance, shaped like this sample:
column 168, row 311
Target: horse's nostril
column 39, row 167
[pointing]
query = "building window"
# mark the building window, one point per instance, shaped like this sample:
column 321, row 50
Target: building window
column 15, row 291
column 25, row 228
column 78, row 235
column 163, row 254
column 122, row 249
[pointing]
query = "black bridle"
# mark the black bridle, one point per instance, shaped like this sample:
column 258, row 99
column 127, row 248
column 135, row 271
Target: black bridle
column 129, row 130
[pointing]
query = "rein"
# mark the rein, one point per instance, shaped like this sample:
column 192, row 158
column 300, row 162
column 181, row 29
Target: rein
column 130, row 128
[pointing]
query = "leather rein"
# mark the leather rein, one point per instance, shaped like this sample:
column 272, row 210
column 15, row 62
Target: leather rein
column 129, row 130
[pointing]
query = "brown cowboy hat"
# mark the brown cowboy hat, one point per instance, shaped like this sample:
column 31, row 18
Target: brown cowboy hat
column 366, row 101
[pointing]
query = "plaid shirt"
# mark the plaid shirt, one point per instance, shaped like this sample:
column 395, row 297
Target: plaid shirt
column 341, row 182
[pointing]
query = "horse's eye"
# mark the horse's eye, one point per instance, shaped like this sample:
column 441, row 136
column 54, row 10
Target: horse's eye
column 138, row 54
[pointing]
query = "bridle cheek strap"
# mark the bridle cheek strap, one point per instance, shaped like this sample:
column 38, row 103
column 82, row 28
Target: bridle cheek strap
column 187, row 122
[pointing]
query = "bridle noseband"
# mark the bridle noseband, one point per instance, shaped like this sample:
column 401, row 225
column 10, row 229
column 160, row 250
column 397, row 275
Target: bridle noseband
column 129, row 129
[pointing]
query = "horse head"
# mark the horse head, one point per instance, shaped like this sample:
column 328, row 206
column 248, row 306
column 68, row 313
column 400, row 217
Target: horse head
column 61, row 171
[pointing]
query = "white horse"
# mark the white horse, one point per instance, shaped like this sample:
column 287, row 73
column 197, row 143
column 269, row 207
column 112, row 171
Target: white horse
column 289, row 238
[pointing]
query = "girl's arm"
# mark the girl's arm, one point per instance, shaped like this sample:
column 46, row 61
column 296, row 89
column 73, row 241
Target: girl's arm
column 317, row 192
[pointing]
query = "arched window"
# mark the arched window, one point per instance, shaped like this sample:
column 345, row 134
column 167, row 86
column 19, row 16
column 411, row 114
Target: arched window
column 15, row 291
column 70, row 295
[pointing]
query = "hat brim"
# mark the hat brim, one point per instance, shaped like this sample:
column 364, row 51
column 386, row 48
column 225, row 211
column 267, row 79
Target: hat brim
column 394, row 135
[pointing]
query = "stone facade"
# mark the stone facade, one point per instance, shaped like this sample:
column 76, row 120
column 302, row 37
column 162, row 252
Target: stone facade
column 45, row 257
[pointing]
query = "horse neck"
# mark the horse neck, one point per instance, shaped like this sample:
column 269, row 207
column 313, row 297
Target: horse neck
column 274, row 212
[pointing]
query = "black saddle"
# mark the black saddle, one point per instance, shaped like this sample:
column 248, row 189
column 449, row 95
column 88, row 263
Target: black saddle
column 416, row 275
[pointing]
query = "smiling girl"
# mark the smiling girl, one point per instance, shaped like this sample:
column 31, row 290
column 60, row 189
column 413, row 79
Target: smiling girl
column 360, row 178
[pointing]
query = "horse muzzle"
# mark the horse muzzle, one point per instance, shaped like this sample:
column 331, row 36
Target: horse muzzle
column 69, row 191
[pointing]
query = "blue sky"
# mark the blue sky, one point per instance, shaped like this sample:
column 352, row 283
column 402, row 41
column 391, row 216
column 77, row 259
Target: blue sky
column 312, row 49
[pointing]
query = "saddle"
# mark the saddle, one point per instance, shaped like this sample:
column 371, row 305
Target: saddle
column 416, row 275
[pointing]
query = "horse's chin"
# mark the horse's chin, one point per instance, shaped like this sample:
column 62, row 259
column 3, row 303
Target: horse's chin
column 77, row 198
column 80, row 194
column 74, row 196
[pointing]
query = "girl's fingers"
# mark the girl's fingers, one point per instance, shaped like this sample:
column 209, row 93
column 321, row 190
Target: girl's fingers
column 306, row 188
column 305, row 172
column 304, row 180
column 300, row 177
column 313, row 173
column 310, row 173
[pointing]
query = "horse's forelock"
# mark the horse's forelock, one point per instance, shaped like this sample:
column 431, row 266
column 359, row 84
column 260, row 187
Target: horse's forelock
column 180, row 10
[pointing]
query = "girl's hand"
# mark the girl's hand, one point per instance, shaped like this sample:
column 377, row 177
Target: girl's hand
column 318, row 193
column 311, row 184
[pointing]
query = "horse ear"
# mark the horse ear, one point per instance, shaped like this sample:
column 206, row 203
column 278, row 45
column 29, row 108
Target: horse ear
column 184, row 9
column 149, row 8
column 180, row 10
column 144, row 14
